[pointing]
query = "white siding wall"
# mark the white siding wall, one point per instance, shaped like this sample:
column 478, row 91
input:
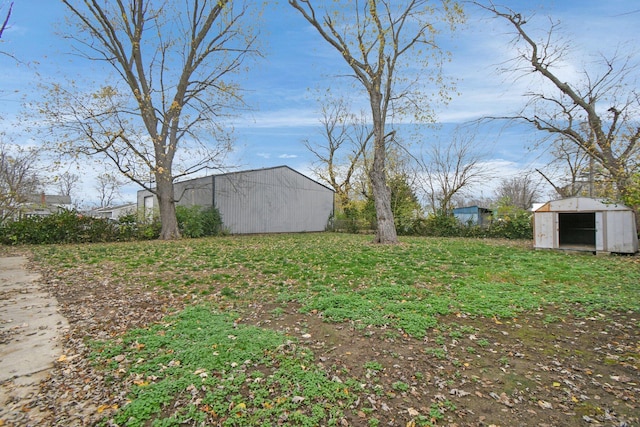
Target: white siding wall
column 621, row 232
column 545, row 230
column 601, row 230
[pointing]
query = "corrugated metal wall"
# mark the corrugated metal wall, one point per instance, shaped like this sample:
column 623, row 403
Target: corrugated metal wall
column 272, row 200
column 195, row 192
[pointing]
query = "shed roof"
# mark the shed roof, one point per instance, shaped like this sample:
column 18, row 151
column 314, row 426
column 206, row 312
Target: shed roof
column 581, row 204
column 471, row 210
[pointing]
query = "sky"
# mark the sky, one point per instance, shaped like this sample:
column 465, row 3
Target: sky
column 296, row 64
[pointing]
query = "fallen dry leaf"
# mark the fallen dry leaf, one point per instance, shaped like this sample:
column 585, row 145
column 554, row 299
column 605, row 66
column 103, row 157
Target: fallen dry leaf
column 545, row 405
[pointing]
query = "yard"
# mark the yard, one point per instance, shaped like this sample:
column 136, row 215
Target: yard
column 328, row 329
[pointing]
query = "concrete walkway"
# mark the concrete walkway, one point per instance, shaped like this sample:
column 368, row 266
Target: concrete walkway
column 30, row 330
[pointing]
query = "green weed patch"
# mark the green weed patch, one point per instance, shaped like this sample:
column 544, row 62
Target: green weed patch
column 206, row 366
column 348, row 279
column 219, row 372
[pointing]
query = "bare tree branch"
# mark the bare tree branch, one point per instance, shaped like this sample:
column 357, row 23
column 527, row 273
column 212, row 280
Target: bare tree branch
column 599, row 113
column 175, row 61
column 346, row 137
column 376, row 48
column 448, row 169
column 5, row 23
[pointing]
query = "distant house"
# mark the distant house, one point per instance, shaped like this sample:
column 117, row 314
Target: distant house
column 114, row 212
column 584, row 224
column 270, row 200
column 45, row 204
column 473, row 215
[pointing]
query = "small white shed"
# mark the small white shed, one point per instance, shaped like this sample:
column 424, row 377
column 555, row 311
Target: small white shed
column 585, row 224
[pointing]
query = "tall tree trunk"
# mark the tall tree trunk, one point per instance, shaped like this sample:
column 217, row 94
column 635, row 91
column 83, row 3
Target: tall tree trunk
column 167, row 206
column 386, row 232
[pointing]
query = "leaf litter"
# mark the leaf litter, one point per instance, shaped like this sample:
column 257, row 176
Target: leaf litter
column 572, row 372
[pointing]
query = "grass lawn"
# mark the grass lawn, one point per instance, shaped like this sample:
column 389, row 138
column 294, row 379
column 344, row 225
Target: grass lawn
column 261, row 317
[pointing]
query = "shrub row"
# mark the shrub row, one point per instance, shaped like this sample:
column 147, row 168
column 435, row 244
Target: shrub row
column 69, row 226
column 516, row 225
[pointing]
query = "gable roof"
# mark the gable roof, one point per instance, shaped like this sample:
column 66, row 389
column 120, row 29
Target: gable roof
column 262, row 170
column 581, row 204
column 49, row 199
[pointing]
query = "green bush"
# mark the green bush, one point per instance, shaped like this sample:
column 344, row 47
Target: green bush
column 69, row 226
column 211, row 221
column 516, row 225
column 138, row 227
column 354, row 217
column 196, row 221
column 440, row 225
column 189, row 221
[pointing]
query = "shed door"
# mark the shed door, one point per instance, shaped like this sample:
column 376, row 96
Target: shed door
column 577, row 229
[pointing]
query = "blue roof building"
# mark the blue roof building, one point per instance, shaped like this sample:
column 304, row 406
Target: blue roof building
column 474, row 215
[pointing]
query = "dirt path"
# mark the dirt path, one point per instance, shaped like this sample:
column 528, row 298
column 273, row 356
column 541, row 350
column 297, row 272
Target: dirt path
column 30, row 331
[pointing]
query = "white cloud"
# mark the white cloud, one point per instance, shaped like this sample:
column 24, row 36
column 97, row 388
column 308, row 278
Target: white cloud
column 281, row 118
column 287, row 156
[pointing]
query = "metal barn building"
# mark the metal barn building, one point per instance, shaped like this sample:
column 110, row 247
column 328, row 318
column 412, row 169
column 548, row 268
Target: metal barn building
column 271, row 200
column 585, row 224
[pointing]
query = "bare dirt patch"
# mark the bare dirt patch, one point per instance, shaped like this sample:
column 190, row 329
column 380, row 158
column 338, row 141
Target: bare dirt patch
column 542, row 369
column 476, row 372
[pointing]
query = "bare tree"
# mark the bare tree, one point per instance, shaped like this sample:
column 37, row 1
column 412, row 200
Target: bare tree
column 519, row 191
column 575, row 169
column 108, row 187
column 19, row 179
column 605, row 98
column 174, row 61
column 67, row 183
column 381, row 42
column 449, row 169
column 338, row 157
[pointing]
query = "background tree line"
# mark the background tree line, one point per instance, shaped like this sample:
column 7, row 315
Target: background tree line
column 146, row 119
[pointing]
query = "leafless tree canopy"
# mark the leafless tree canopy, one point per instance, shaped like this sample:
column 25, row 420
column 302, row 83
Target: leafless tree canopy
column 448, row 169
column 66, row 183
column 108, row 188
column 377, row 40
column 520, row 191
column 571, row 170
column 174, row 62
column 598, row 111
column 345, row 137
column 18, row 179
